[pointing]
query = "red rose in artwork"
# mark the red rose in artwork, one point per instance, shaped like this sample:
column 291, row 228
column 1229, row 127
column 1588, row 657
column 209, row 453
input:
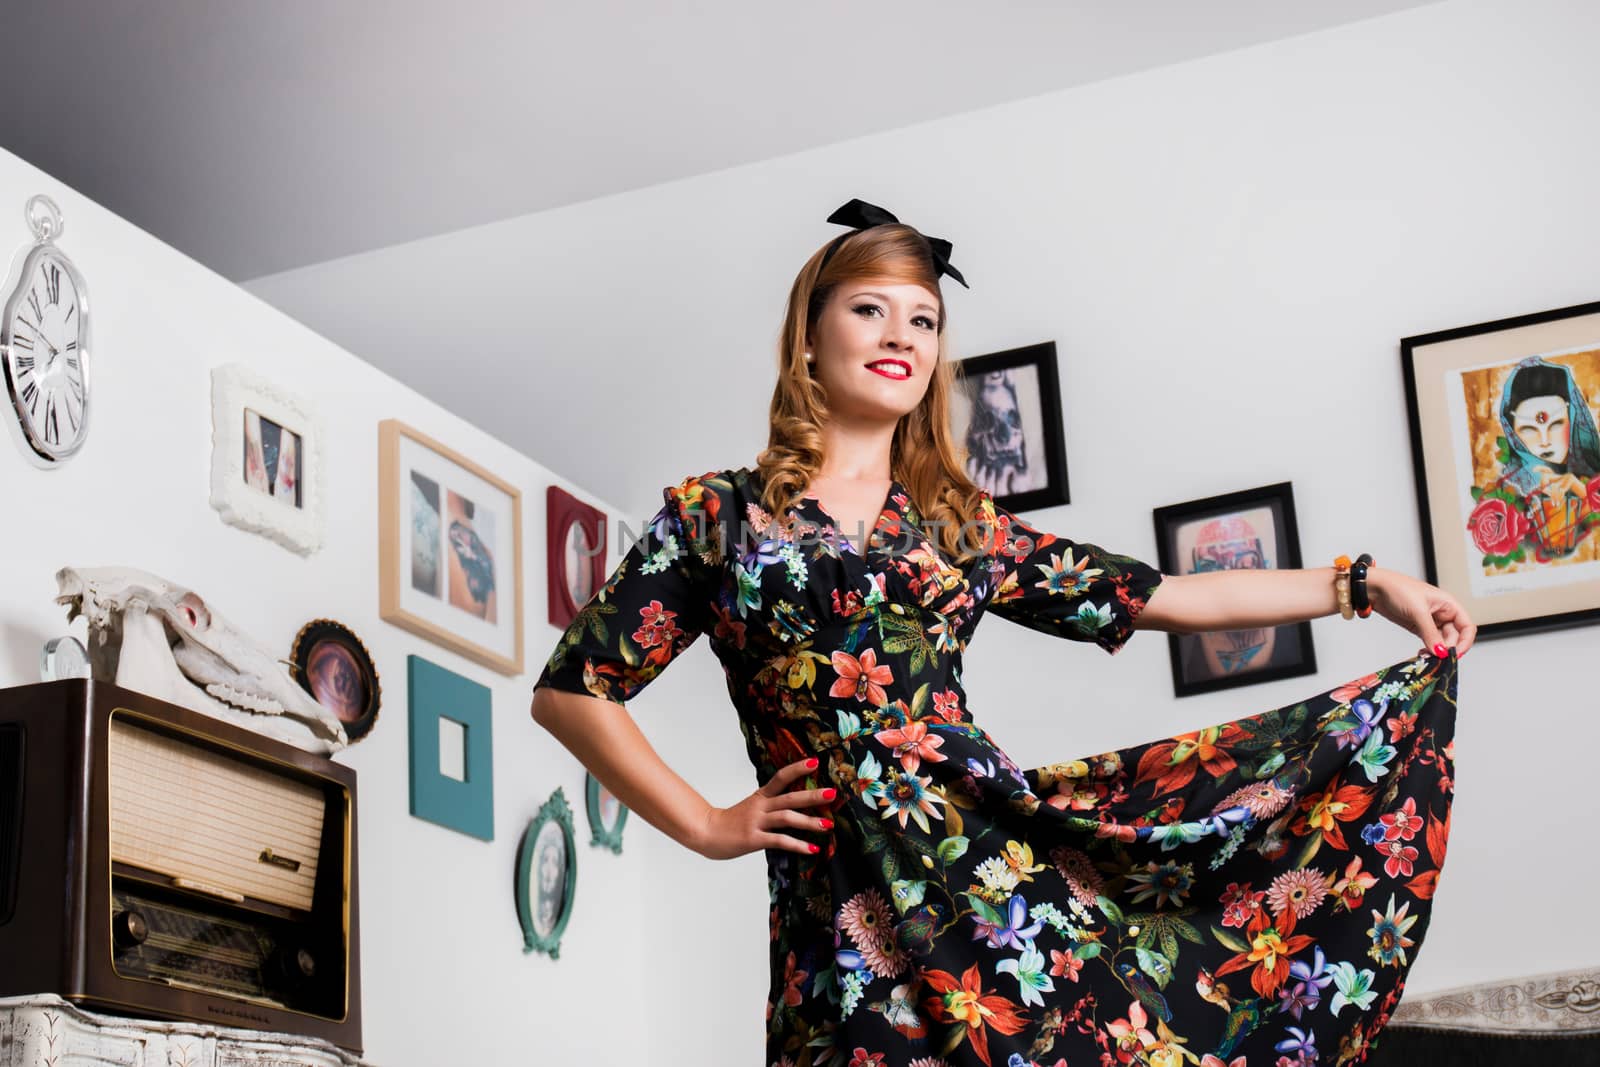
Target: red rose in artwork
column 1594, row 493
column 1496, row 526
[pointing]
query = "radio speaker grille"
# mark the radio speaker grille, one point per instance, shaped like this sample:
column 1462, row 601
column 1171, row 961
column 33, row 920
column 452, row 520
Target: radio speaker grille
column 10, row 817
column 212, row 822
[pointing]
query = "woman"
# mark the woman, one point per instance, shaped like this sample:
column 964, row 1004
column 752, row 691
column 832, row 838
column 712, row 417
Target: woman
column 1197, row 899
column 1548, row 427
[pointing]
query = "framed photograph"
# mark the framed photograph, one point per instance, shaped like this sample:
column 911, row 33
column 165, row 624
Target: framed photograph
column 266, row 459
column 606, row 815
column 449, row 549
column 547, row 877
column 575, row 546
column 1507, row 460
column 1253, row 529
column 330, row 662
column 1006, row 412
column 452, row 749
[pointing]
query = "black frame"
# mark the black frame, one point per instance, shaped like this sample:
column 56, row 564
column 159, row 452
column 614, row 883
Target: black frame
column 1041, row 356
column 1166, row 518
column 314, row 633
column 1408, row 346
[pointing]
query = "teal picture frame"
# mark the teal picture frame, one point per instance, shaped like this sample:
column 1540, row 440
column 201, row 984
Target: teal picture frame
column 435, row 693
column 547, row 876
column 605, row 835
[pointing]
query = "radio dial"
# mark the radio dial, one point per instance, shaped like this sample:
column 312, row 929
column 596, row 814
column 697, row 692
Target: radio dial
column 296, row 965
column 128, row 929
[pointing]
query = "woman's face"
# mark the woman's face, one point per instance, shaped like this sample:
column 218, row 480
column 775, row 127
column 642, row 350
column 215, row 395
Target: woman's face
column 1541, row 422
column 875, row 346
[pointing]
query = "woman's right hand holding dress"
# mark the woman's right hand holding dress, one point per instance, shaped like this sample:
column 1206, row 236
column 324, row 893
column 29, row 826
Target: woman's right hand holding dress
column 754, row 823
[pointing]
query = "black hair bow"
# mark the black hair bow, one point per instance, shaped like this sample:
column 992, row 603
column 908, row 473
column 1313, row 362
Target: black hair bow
column 860, row 215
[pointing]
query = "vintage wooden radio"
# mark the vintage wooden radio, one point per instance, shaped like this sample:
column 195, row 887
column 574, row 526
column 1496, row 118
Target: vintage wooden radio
column 159, row 862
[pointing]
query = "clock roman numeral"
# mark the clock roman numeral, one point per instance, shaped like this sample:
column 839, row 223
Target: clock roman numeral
column 72, row 418
column 22, row 342
column 33, row 299
column 71, row 345
column 52, row 282
column 30, row 393
column 24, row 364
column 70, row 310
column 52, row 426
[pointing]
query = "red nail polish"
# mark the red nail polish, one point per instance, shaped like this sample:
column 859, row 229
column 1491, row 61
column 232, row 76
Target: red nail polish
column 827, row 824
column 829, row 794
column 1439, row 650
column 811, row 764
column 814, row 848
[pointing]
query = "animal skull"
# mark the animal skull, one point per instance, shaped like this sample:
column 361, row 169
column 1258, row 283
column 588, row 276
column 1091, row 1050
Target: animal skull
column 157, row 638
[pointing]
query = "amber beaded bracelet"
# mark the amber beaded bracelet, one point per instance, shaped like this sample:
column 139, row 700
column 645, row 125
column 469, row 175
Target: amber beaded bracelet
column 1341, row 586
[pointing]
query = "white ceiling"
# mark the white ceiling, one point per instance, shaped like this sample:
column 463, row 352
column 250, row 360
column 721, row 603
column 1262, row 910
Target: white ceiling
column 260, row 137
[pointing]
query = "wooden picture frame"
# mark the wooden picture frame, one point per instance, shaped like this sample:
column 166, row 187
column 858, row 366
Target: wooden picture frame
column 575, row 571
column 1252, row 528
column 1014, row 441
column 446, row 528
column 1507, row 529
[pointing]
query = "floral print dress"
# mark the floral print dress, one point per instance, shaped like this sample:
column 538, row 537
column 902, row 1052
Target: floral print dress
column 1249, row 893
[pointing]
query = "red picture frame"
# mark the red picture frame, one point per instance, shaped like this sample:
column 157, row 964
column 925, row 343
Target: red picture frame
column 562, row 512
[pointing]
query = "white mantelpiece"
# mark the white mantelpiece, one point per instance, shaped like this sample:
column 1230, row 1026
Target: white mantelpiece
column 46, row 1031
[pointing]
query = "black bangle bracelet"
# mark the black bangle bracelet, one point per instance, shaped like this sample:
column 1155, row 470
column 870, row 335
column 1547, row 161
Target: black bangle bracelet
column 1358, row 585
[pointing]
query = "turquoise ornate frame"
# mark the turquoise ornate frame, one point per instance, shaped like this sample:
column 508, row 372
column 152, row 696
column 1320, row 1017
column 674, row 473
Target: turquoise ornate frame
column 604, row 836
column 554, row 810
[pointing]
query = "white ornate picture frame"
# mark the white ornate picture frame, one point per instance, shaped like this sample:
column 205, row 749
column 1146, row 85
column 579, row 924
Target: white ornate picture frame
column 286, row 501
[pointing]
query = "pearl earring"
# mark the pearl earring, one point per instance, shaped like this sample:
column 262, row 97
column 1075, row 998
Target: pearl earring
column 810, row 358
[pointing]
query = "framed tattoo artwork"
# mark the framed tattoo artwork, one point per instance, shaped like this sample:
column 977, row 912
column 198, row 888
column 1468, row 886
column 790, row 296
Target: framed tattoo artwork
column 1006, row 413
column 1507, row 460
column 266, row 459
column 449, row 549
column 1253, row 529
column 331, row 663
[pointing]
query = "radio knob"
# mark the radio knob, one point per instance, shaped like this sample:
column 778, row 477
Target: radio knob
column 128, row 929
column 296, row 965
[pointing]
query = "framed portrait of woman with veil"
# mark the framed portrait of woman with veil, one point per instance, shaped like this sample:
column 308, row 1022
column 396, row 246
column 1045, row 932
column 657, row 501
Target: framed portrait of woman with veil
column 1506, row 450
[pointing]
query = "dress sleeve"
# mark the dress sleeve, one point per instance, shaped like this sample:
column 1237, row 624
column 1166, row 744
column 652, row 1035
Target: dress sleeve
column 1070, row 589
column 657, row 601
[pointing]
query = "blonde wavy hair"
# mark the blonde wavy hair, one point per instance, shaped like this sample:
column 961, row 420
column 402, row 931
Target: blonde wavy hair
column 922, row 455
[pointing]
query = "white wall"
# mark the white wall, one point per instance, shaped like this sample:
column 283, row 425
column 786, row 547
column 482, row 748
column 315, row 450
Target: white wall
column 1226, row 253
column 1212, row 246
column 445, row 978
